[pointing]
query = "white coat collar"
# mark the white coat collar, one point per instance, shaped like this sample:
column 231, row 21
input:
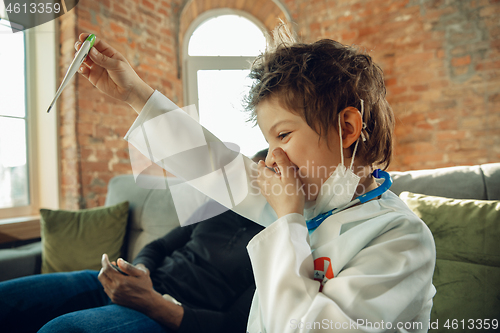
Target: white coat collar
column 337, row 224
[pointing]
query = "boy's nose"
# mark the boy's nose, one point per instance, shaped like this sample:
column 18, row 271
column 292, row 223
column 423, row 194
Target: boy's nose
column 270, row 160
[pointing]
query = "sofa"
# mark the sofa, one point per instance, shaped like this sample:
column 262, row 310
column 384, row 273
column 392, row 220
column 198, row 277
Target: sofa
column 152, row 215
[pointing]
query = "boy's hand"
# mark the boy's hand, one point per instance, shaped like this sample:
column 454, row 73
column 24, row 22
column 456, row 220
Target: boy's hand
column 283, row 190
column 109, row 71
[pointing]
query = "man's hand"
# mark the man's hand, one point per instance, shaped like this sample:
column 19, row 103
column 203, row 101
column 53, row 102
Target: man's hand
column 135, row 291
column 283, row 190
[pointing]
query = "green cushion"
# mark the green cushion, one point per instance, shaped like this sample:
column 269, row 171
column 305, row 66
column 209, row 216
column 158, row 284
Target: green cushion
column 76, row 240
column 467, row 273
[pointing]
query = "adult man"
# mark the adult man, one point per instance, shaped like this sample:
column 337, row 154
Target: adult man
column 196, row 278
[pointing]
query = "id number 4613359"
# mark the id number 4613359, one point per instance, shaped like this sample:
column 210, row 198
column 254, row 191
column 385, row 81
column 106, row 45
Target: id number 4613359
column 485, row 324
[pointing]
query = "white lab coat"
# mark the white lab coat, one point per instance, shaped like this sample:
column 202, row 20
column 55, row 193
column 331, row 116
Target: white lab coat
column 366, row 269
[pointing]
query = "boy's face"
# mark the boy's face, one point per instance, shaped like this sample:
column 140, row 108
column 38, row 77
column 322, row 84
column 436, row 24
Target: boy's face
column 312, row 158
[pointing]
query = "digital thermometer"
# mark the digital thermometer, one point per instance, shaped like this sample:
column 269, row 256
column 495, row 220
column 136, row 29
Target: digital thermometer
column 75, row 65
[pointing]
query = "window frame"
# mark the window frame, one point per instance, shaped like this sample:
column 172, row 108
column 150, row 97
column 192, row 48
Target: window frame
column 42, row 130
column 192, row 64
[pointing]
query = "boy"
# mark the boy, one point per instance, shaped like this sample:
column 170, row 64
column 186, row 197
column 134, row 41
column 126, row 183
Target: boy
column 366, row 268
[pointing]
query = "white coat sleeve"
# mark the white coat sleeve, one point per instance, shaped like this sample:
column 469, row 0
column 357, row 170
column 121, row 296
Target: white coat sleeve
column 175, row 141
column 387, row 283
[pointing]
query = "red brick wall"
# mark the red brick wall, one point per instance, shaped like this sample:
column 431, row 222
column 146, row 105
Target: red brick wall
column 442, row 67
column 441, row 60
column 93, row 124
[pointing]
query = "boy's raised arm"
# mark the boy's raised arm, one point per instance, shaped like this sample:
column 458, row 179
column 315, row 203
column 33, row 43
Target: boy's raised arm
column 175, row 141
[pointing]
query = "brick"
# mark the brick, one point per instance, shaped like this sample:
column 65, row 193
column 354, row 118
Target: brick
column 122, row 168
column 420, row 87
column 70, row 180
column 440, row 54
column 121, row 131
column 366, row 31
column 96, row 190
column 422, row 159
column 405, row 98
column 95, row 166
column 447, row 145
column 85, row 129
column 344, row 19
column 430, row 95
column 445, row 104
column 474, row 123
column 391, row 82
column 115, row 143
column 102, row 131
column 116, row 28
column 412, row 118
column 397, row 90
column 123, row 155
column 104, row 154
column 489, row 11
column 451, row 135
column 315, row 26
column 448, row 124
column 461, row 61
column 488, row 65
column 88, row 27
column 347, row 35
column 85, row 153
column 422, row 147
column 465, row 156
column 415, row 59
column 438, row 84
column 425, row 126
column 101, row 201
column 432, row 45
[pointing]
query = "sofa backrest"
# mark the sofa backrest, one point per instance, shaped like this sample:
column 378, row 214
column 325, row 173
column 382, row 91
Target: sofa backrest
column 462, row 182
column 152, row 210
column 153, row 213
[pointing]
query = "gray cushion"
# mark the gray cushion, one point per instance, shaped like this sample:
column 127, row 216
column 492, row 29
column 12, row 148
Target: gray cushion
column 462, row 182
column 491, row 173
column 153, row 213
column 20, row 261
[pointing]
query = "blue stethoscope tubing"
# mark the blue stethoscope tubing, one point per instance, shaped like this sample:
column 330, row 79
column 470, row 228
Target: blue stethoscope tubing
column 313, row 223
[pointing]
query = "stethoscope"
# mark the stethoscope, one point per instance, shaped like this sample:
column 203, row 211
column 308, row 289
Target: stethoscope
column 313, row 223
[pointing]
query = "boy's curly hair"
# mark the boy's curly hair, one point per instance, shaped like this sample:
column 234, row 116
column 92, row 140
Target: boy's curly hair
column 317, row 81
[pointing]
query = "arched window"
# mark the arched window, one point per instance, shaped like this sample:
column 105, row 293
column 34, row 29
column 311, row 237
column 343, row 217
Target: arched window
column 220, row 48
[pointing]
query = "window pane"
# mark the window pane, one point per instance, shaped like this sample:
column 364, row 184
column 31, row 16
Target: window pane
column 227, row 35
column 13, row 167
column 220, row 94
column 12, row 80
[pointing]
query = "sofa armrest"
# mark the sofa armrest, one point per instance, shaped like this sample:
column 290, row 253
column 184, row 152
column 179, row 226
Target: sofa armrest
column 20, row 261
